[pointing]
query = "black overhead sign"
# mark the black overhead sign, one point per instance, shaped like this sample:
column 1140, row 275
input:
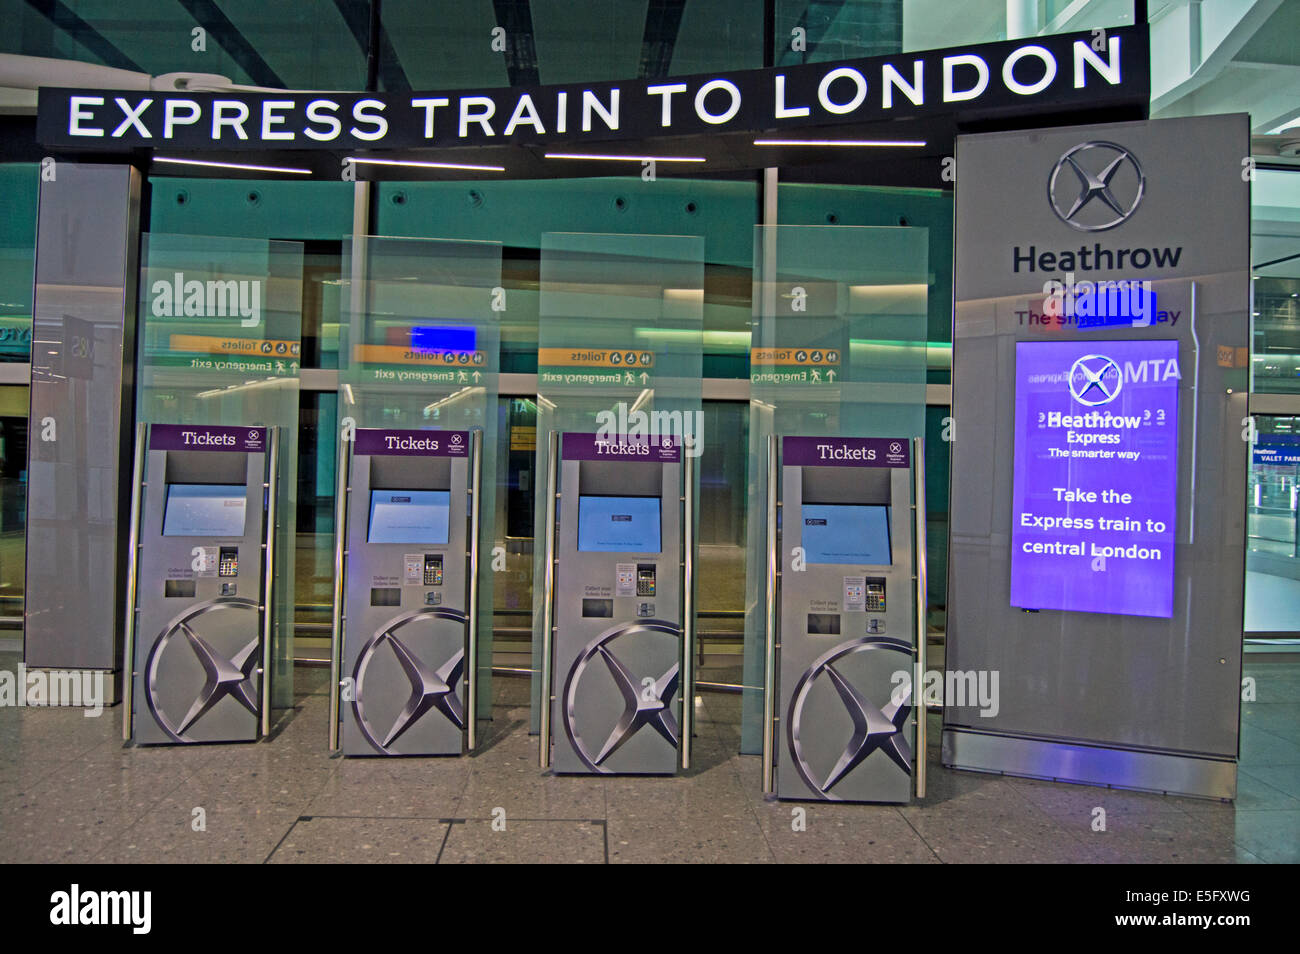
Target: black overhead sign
column 1095, row 70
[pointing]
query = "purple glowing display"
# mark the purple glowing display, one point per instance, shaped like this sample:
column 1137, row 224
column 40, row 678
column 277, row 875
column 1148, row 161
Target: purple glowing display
column 1094, row 502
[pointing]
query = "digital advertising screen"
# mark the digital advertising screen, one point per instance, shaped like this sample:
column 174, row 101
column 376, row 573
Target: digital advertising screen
column 846, row 533
column 204, row 510
column 618, row 524
column 409, row 516
column 1095, row 489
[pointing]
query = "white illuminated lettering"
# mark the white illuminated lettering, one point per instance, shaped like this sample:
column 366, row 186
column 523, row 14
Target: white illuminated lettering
column 844, row 72
column 77, row 115
column 318, row 111
column 271, row 117
column 132, row 117
column 525, row 114
column 487, row 109
column 915, row 91
column 429, row 104
column 361, row 114
column 715, row 119
column 219, row 119
column 1028, row 89
column 590, row 104
column 950, row 63
column 783, row 111
column 171, row 120
column 666, row 90
column 1108, row 69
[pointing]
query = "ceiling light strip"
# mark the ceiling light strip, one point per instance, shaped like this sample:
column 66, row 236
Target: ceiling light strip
column 863, row 143
column 586, row 155
column 421, row 164
column 232, row 165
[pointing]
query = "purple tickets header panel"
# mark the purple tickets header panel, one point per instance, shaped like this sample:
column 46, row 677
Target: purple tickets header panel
column 666, row 449
column 387, row 442
column 206, row 437
column 846, row 451
column 1095, row 491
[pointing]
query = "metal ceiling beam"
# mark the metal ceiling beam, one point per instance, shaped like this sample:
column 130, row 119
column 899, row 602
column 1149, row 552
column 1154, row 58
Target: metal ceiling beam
column 218, row 26
column 64, row 19
column 663, row 21
column 382, row 62
column 516, row 17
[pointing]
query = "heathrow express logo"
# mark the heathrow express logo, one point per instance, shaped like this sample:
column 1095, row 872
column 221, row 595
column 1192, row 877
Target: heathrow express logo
column 646, row 702
column 875, row 729
column 430, row 688
column 1096, row 186
column 223, row 676
column 1094, row 380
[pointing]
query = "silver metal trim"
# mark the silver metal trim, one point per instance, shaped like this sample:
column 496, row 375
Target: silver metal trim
column 918, row 695
column 548, row 600
column 769, row 643
column 268, row 602
column 132, row 574
column 471, row 622
column 342, row 489
column 687, row 694
column 1103, row 766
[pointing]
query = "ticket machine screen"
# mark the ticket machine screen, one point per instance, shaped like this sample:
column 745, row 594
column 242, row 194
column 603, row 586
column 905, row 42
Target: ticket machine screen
column 846, row 533
column 204, row 510
column 618, row 524
column 409, row 516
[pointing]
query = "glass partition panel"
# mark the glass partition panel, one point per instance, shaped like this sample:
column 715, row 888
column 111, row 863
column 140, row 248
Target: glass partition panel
column 18, row 186
column 839, row 349
column 13, row 502
column 1275, row 281
column 219, row 343
column 1273, row 529
column 619, row 352
column 418, row 346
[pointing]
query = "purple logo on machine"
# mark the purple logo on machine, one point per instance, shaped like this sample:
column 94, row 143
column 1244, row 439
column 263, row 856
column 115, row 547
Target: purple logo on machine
column 846, row 451
column 206, row 437
column 385, row 442
column 662, row 449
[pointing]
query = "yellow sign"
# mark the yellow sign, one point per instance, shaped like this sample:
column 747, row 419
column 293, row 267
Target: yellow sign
column 523, row 438
column 820, row 357
column 401, row 354
column 214, row 344
column 594, row 358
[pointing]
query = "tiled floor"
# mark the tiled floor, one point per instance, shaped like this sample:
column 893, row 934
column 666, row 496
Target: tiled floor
column 70, row 792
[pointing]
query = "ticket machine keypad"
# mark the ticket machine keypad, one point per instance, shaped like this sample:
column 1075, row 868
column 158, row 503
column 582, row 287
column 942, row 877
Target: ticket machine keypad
column 875, row 595
column 228, row 562
column 433, row 569
column 645, row 579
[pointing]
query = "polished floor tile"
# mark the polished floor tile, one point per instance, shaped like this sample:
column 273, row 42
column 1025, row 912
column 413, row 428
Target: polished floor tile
column 326, row 840
column 70, row 791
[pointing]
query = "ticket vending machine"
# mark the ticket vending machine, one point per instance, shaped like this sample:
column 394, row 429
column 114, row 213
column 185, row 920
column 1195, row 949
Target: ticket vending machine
column 405, row 637
column 844, row 627
column 199, row 584
column 618, row 590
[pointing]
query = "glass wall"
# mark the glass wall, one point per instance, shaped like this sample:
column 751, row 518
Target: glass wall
column 1275, row 288
column 1273, row 529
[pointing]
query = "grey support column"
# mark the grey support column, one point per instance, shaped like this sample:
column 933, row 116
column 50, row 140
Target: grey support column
column 83, row 358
